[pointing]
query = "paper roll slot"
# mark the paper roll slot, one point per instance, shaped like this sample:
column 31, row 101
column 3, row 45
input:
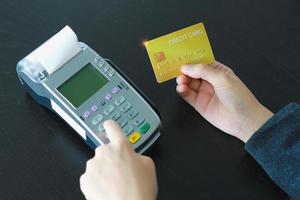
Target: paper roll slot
column 56, row 51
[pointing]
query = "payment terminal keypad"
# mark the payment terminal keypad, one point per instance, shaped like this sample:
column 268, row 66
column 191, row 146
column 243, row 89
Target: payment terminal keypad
column 114, row 105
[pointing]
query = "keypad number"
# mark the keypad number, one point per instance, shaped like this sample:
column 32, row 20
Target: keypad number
column 108, row 109
column 138, row 121
column 126, row 106
column 119, row 100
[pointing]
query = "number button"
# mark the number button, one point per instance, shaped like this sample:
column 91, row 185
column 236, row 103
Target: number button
column 116, row 116
column 108, row 109
column 123, row 123
column 97, row 119
column 138, row 121
column 119, row 100
column 132, row 114
column 128, row 129
column 126, row 107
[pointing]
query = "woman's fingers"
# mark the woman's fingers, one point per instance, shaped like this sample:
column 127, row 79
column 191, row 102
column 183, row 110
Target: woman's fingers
column 211, row 73
column 188, row 94
column 114, row 131
column 192, row 83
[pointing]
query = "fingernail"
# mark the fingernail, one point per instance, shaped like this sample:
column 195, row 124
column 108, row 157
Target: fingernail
column 185, row 68
column 178, row 88
column 107, row 122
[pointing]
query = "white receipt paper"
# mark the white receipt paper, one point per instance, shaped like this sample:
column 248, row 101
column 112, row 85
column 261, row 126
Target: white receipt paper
column 56, row 51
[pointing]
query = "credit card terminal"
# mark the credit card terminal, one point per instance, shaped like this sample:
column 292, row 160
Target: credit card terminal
column 84, row 89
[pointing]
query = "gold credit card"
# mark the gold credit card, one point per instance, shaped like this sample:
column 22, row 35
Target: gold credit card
column 186, row 46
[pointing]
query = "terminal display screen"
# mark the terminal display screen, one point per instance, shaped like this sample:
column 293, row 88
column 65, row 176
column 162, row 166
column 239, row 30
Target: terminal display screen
column 82, row 85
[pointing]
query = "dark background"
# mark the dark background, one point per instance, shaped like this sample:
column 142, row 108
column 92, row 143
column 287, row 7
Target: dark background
column 42, row 158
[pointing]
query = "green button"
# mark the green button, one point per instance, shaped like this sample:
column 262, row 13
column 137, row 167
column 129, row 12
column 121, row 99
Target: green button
column 145, row 128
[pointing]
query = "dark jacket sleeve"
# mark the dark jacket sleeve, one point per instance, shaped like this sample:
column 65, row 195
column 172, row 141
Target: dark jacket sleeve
column 276, row 147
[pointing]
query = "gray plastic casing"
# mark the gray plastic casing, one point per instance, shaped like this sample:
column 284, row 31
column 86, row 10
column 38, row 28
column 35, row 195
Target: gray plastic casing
column 43, row 88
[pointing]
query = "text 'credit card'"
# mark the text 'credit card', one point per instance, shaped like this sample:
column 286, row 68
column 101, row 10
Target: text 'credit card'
column 186, row 46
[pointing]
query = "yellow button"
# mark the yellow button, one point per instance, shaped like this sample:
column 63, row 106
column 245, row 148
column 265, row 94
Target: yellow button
column 134, row 137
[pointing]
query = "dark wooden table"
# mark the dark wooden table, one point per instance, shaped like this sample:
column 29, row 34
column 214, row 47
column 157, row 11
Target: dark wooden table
column 42, row 158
